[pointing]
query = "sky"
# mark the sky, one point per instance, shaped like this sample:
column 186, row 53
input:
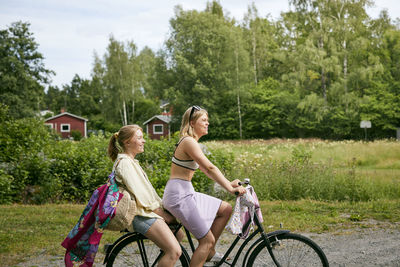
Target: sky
column 69, row 32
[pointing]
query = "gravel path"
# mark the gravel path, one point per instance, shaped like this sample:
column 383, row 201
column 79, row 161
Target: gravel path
column 345, row 248
column 361, row 247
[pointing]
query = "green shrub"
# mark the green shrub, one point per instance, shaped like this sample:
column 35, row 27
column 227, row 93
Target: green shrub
column 77, row 169
column 22, row 152
column 76, row 135
column 6, row 181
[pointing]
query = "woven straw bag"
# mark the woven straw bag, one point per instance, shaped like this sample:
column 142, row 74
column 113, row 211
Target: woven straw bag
column 124, row 214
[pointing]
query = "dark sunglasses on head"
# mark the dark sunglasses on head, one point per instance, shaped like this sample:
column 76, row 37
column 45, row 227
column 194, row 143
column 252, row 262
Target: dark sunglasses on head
column 197, row 108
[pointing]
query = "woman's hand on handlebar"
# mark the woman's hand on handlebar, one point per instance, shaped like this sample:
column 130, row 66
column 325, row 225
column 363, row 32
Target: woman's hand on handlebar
column 235, row 183
column 238, row 191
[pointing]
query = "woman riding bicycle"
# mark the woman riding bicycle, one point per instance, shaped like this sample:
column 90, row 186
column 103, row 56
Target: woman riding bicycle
column 203, row 215
column 150, row 219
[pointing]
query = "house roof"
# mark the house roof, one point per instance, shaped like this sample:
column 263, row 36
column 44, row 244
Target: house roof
column 65, row 113
column 45, row 112
column 164, row 104
column 166, row 119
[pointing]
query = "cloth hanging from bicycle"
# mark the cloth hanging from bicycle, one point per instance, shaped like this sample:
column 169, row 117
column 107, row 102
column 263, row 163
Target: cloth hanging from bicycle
column 83, row 240
column 245, row 208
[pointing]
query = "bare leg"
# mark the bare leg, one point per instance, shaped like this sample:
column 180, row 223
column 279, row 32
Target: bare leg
column 169, row 219
column 222, row 218
column 200, row 254
column 180, row 235
column 162, row 236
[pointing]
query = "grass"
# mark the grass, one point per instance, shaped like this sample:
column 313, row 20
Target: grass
column 39, row 230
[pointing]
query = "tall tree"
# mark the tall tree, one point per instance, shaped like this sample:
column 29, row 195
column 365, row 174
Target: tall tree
column 381, row 102
column 146, row 64
column 261, row 37
column 209, row 59
column 54, row 99
column 124, row 86
column 119, row 79
column 23, row 74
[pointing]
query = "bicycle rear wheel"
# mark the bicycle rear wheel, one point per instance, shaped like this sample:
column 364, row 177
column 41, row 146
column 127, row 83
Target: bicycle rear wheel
column 289, row 249
column 138, row 251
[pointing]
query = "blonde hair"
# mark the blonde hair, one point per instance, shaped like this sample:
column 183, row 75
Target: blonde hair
column 118, row 139
column 186, row 128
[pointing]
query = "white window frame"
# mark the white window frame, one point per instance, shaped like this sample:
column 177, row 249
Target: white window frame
column 50, row 125
column 65, row 124
column 154, row 128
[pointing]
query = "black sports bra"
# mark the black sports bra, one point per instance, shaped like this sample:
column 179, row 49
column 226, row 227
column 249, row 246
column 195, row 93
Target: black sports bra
column 188, row 164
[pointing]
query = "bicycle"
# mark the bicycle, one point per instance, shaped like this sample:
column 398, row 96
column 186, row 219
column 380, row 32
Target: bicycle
column 278, row 248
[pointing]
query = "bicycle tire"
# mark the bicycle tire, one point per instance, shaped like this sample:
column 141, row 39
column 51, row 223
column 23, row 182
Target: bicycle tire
column 127, row 253
column 289, row 249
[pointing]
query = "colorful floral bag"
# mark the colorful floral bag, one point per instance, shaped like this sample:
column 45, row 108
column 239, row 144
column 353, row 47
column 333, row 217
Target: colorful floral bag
column 125, row 210
column 83, row 240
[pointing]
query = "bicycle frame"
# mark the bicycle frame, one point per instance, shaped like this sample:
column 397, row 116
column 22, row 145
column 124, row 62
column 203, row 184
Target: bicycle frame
column 264, row 237
column 260, row 230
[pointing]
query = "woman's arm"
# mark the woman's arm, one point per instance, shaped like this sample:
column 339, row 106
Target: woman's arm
column 193, row 150
column 136, row 183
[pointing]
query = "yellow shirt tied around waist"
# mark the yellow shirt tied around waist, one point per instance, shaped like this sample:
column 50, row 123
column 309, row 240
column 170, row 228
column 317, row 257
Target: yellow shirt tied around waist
column 131, row 175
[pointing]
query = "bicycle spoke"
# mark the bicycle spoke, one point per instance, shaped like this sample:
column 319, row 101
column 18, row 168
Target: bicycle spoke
column 289, row 250
column 294, row 253
column 130, row 255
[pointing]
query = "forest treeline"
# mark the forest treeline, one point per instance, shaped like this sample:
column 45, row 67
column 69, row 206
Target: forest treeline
column 316, row 71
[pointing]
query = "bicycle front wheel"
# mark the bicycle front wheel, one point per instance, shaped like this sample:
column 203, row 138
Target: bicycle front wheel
column 139, row 251
column 289, row 249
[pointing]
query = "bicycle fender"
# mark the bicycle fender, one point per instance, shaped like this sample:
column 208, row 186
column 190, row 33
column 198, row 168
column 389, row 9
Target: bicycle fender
column 277, row 233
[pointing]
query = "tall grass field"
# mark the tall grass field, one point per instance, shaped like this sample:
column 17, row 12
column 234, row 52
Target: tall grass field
column 308, row 185
column 315, row 169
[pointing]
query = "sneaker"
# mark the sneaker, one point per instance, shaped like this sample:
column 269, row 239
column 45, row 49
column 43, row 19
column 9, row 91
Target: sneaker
column 216, row 258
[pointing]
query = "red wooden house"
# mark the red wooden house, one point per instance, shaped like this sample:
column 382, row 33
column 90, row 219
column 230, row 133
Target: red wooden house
column 65, row 122
column 158, row 126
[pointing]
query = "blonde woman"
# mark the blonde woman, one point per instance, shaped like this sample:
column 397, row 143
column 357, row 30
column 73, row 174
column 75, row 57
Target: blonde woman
column 151, row 218
column 203, row 215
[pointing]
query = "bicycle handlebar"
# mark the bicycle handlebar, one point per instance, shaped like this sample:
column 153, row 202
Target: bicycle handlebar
column 245, row 182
